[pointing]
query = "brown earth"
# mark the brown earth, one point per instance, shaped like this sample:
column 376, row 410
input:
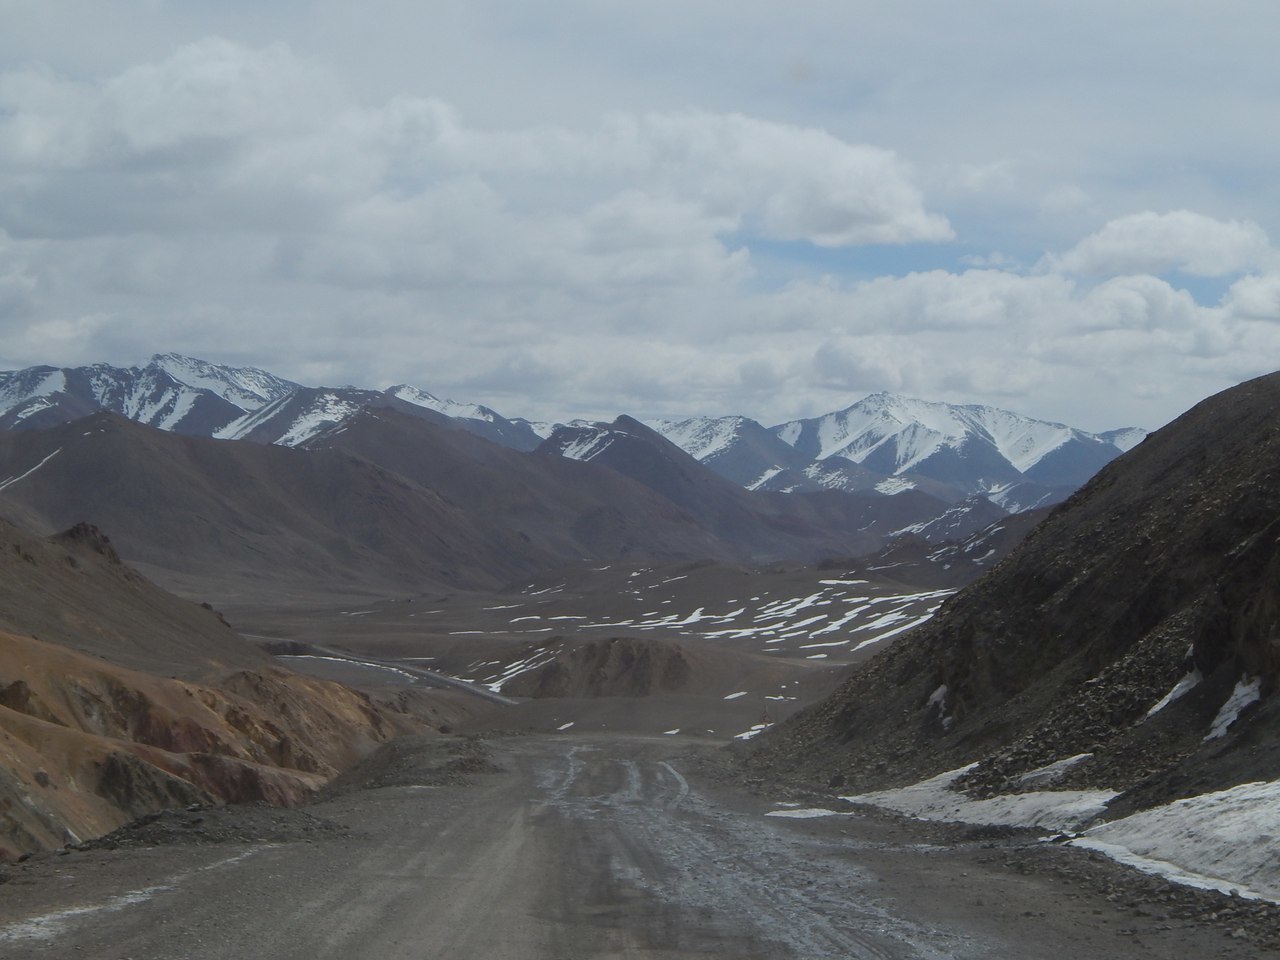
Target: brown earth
column 86, row 746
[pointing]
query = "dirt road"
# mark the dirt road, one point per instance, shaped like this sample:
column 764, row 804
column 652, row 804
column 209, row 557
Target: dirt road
column 577, row 847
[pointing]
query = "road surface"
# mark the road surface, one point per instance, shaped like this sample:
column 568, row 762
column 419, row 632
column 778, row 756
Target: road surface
column 577, row 847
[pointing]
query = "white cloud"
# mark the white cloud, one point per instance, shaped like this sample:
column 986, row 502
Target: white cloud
column 1159, row 242
column 206, row 97
column 17, row 282
column 572, row 232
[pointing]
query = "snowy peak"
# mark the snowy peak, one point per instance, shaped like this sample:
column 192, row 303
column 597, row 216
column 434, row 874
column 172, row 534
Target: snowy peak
column 187, row 395
column 472, row 417
column 171, row 392
column 245, row 387
column 450, row 408
column 1126, row 438
column 891, row 443
column 704, row 437
column 298, row 416
column 920, row 428
column 739, row 449
column 980, row 448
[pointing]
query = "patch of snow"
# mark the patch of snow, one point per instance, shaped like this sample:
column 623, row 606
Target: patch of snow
column 588, row 447
column 1221, row 841
column 700, row 437
column 894, row 485
column 764, row 478
column 182, row 405
column 934, row 799
column 755, row 731
column 10, row 481
column 1246, row 693
column 566, row 726
column 1179, row 689
column 670, row 733
column 450, row 408
column 810, row 814
column 735, row 696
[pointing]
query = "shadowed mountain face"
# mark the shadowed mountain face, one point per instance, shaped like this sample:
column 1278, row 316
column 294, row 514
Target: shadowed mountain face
column 1164, row 568
column 263, row 518
column 641, row 497
column 387, row 501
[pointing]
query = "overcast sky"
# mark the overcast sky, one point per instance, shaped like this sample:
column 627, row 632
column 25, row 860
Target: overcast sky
column 584, row 207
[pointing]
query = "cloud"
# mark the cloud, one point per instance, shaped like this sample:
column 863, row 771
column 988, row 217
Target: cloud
column 246, row 202
column 17, row 282
column 203, row 99
column 1157, row 243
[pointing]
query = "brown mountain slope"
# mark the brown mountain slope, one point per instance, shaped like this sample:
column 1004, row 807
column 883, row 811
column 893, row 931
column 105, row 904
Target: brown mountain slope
column 569, row 510
column 246, row 518
column 1165, row 565
column 645, row 499
column 72, row 589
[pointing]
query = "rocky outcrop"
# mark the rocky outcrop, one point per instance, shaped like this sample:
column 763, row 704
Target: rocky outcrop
column 86, row 746
column 620, row 667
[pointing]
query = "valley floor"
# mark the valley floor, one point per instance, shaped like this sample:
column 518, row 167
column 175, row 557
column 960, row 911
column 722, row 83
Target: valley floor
column 564, row 846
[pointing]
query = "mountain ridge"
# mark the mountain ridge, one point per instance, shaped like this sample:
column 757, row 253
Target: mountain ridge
column 884, row 442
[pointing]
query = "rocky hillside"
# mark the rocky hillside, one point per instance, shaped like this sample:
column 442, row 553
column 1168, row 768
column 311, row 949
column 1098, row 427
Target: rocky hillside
column 1138, row 624
column 72, row 589
column 132, row 700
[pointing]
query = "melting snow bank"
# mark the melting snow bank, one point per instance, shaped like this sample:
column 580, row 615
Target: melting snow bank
column 811, row 813
column 1217, row 841
column 1221, row 841
column 933, row 799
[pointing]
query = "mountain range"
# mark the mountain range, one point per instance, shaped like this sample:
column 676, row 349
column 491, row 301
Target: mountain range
column 883, row 444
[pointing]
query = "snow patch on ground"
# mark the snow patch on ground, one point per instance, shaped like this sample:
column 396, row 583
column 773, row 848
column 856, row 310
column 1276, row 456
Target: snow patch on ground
column 1219, row 841
column 1225, row 841
column 1246, row 693
column 1179, row 689
column 10, row 481
column 934, row 799
column 809, row 814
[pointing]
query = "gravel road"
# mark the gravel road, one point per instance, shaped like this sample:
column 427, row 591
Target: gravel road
column 570, row 847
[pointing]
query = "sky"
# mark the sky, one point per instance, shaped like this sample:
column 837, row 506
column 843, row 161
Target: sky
column 586, row 207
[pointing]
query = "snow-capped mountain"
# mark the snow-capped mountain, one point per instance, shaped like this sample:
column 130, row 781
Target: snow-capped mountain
column 298, row 415
column 741, row 450
column 892, row 443
column 186, row 395
column 171, row 392
column 978, row 446
column 885, row 443
column 246, row 387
